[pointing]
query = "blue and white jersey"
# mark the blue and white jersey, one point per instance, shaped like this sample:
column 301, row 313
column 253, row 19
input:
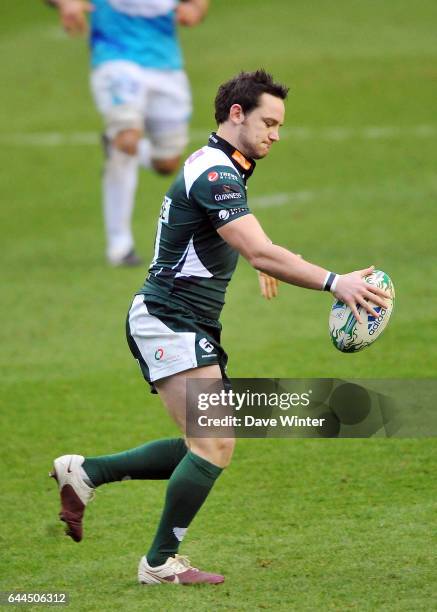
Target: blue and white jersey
column 140, row 31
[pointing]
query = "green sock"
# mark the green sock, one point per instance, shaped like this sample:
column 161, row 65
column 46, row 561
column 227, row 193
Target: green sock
column 152, row 461
column 187, row 489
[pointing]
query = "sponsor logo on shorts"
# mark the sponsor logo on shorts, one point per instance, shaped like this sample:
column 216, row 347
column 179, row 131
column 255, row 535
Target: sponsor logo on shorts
column 213, row 176
column 224, row 214
column 159, row 354
column 206, row 345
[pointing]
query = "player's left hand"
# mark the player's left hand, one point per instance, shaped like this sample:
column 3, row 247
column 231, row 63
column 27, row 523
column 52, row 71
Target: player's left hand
column 191, row 12
column 268, row 285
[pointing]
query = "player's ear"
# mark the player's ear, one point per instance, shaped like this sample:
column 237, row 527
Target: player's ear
column 236, row 114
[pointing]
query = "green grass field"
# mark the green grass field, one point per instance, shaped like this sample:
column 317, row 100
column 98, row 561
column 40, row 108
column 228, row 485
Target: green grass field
column 294, row 525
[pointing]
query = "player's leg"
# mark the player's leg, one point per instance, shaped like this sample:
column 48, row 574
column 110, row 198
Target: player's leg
column 78, row 476
column 188, row 486
column 167, row 116
column 167, row 344
column 119, row 94
column 195, row 475
column 173, row 393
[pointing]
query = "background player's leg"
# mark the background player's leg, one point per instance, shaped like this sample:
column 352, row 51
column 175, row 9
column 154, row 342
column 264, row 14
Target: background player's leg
column 120, row 95
column 144, row 153
column 119, row 189
column 167, row 165
column 194, row 476
column 168, row 115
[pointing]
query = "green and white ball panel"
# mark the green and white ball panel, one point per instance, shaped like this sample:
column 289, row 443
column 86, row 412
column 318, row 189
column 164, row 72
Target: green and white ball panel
column 346, row 333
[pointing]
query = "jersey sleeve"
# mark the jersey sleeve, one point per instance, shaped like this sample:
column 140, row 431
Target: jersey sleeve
column 221, row 193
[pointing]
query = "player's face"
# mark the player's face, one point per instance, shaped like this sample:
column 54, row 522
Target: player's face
column 260, row 128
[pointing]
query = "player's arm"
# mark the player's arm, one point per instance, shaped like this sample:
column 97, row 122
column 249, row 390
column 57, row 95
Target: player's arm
column 246, row 235
column 191, row 12
column 268, row 284
column 73, row 14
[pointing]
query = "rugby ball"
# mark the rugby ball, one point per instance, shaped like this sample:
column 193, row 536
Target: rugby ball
column 349, row 336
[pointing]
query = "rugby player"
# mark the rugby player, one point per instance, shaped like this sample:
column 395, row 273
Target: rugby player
column 173, row 324
column 139, row 86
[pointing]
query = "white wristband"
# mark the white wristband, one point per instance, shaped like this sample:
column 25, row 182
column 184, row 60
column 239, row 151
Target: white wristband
column 330, row 281
column 334, row 283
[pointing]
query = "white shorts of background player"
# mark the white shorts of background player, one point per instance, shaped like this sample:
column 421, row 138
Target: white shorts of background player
column 156, row 101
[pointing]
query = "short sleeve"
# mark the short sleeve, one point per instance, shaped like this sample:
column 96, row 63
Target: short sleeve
column 221, row 193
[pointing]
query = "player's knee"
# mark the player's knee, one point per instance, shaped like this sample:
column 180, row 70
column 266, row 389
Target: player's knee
column 166, row 166
column 167, row 148
column 127, row 141
column 222, row 451
column 218, row 451
column 225, row 449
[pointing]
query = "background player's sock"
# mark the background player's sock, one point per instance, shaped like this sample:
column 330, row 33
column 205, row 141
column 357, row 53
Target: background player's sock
column 152, row 461
column 144, row 153
column 187, row 489
column 119, row 187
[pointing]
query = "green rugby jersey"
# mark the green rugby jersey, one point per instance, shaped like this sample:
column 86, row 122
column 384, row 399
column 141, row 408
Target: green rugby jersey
column 192, row 264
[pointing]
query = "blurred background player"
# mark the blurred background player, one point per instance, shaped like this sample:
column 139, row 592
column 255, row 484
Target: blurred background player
column 139, row 87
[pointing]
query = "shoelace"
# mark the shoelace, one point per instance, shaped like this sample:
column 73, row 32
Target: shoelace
column 182, row 562
column 91, row 492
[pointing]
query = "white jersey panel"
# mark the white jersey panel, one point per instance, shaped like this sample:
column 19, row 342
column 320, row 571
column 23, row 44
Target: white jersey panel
column 192, row 265
column 200, row 161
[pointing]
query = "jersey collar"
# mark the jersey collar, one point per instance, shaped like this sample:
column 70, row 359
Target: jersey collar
column 245, row 165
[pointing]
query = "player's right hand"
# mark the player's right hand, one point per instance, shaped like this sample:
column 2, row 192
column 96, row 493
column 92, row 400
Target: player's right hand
column 73, row 16
column 353, row 290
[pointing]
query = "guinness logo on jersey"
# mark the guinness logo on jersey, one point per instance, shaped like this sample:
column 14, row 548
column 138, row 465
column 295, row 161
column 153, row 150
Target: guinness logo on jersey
column 220, row 197
column 223, row 193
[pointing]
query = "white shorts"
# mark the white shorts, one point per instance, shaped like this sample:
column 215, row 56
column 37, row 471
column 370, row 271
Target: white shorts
column 156, row 101
column 164, row 350
column 168, row 339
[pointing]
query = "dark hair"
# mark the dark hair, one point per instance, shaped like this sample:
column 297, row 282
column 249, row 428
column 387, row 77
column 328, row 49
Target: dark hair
column 245, row 89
